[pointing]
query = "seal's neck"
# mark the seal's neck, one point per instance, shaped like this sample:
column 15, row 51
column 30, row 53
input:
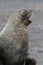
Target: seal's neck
column 10, row 24
column 10, row 27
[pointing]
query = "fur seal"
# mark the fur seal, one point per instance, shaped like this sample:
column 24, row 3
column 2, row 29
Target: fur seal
column 14, row 38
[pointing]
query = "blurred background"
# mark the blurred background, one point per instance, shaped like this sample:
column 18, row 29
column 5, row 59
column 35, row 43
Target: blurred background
column 7, row 7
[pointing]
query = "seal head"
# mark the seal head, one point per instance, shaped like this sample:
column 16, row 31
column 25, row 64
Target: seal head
column 25, row 16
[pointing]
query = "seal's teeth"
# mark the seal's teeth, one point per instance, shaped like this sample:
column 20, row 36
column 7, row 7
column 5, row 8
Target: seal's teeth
column 30, row 18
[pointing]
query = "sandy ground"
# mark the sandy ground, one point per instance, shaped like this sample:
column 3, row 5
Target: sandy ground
column 35, row 35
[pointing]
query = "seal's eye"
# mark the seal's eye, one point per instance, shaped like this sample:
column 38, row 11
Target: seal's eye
column 24, row 12
column 24, row 15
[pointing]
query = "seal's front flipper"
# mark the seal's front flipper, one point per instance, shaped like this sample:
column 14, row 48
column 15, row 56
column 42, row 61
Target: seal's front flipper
column 30, row 61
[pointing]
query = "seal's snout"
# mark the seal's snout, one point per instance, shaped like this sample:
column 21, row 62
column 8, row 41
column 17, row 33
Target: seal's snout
column 26, row 15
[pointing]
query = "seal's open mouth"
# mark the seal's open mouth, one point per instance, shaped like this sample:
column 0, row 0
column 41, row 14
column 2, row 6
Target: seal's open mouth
column 27, row 22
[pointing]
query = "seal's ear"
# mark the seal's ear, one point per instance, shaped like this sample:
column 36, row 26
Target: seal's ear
column 30, row 61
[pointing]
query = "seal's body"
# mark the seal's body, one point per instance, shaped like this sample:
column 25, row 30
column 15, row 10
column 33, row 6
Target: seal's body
column 14, row 38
